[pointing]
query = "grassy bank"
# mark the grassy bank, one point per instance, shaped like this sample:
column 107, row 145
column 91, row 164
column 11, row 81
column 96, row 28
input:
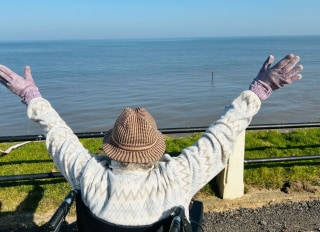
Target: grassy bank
column 45, row 195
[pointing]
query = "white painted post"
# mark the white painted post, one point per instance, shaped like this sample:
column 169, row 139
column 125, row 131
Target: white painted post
column 230, row 180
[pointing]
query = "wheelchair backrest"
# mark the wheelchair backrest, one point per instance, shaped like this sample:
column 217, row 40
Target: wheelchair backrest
column 86, row 222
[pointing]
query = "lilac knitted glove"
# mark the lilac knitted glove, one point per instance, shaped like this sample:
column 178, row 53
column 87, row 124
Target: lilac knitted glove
column 23, row 87
column 270, row 79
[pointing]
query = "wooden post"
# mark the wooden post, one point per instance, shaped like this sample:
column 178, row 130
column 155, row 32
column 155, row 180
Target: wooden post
column 230, row 180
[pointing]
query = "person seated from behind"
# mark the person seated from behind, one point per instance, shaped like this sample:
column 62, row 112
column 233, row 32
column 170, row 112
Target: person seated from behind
column 136, row 182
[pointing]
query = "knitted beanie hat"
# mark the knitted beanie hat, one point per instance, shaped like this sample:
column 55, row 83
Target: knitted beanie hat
column 134, row 138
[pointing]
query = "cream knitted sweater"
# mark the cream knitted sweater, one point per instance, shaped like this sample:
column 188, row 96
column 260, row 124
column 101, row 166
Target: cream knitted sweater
column 143, row 197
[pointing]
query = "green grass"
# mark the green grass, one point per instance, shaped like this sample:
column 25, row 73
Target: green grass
column 274, row 143
column 45, row 195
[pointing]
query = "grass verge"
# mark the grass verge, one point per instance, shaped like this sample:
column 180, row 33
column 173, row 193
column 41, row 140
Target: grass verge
column 45, row 195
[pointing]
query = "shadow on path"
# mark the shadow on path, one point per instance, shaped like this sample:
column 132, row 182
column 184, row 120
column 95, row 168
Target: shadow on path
column 27, row 207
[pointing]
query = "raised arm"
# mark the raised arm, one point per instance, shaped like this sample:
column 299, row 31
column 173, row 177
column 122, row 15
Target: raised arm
column 208, row 156
column 64, row 147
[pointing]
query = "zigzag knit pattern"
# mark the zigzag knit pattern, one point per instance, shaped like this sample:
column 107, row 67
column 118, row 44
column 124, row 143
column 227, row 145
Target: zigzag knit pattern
column 143, row 197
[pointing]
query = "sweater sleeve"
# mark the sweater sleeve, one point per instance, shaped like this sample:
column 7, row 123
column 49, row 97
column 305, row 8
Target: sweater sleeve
column 64, row 147
column 202, row 161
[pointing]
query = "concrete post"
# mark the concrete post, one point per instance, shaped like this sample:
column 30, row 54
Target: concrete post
column 230, row 180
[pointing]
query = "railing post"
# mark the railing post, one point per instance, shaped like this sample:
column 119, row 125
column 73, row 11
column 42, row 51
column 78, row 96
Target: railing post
column 230, row 180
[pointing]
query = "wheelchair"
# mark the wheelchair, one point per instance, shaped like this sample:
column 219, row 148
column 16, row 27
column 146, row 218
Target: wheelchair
column 86, row 221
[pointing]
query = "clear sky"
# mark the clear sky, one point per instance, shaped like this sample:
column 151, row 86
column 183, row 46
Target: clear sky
column 112, row 19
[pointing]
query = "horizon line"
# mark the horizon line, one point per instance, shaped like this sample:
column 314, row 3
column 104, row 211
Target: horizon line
column 159, row 38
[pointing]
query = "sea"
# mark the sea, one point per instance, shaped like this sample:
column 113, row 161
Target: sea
column 183, row 82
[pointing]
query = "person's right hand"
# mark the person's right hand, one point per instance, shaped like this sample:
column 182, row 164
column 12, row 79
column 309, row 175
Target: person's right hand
column 269, row 78
column 23, row 87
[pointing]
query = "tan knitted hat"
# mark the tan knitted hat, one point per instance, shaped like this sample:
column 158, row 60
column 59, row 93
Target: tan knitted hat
column 134, row 138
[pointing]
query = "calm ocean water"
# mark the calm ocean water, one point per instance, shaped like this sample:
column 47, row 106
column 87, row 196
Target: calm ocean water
column 90, row 82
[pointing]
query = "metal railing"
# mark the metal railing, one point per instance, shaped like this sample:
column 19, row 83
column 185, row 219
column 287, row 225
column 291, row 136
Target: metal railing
column 183, row 130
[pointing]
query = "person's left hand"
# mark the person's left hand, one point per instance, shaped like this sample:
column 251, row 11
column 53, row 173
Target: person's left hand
column 23, row 87
column 272, row 78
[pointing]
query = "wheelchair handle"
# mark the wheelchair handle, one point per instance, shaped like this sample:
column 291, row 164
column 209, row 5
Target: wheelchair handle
column 58, row 217
column 176, row 221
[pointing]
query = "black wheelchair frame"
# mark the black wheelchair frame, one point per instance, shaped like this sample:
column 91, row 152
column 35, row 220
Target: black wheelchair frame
column 86, row 221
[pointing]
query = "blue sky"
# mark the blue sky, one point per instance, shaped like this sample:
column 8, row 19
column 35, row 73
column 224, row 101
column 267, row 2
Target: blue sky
column 112, row 19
